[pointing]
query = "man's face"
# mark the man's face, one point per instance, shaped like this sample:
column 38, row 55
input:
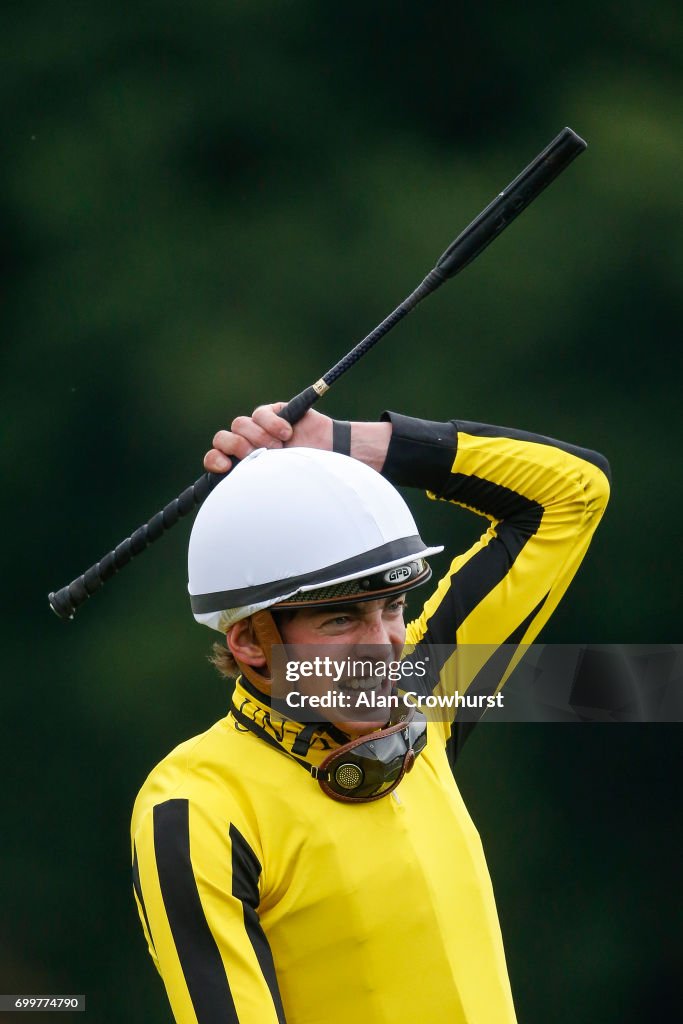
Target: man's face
column 370, row 631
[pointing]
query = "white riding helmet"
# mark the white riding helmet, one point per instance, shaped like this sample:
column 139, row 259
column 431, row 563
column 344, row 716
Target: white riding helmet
column 295, row 527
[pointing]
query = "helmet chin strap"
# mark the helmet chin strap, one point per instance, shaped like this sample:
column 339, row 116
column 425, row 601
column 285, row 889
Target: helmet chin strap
column 267, row 634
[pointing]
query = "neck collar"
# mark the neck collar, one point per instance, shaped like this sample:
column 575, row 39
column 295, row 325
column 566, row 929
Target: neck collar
column 309, row 743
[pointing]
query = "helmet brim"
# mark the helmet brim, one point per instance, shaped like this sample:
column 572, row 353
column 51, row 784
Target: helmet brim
column 387, row 581
column 222, row 617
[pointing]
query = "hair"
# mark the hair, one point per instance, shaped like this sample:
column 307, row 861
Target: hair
column 223, row 659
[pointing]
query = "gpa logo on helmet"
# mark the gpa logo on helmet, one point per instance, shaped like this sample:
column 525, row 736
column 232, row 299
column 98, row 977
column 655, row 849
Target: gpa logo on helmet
column 398, row 574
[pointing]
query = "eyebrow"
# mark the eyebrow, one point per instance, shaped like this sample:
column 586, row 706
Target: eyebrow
column 332, row 609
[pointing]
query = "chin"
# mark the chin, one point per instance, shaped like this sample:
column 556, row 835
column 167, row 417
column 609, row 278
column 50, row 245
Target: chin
column 353, row 727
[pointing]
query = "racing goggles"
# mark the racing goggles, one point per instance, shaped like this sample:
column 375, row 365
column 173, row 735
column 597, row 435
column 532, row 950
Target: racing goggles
column 372, row 766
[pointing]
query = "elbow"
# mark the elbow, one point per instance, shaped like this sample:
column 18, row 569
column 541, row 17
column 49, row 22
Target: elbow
column 603, row 465
column 596, row 477
column 597, row 486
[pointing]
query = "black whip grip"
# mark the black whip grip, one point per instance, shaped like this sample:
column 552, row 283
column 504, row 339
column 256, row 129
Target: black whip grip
column 298, row 406
column 66, row 602
column 511, row 201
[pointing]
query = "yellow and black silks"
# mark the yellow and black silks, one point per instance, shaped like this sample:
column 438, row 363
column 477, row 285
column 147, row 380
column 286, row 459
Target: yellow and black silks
column 261, row 899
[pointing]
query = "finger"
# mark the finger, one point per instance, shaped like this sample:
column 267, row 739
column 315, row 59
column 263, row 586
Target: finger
column 230, row 443
column 247, row 427
column 267, row 417
column 217, row 462
column 223, row 441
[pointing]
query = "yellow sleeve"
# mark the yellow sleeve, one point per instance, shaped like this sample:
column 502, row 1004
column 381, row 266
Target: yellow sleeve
column 543, row 500
column 196, row 881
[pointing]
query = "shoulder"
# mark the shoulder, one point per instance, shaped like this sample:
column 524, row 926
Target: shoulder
column 196, row 770
column 224, row 772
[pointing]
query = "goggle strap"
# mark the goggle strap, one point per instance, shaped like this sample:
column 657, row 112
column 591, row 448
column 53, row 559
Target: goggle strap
column 320, row 774
column 370, row 737
column 254, row 727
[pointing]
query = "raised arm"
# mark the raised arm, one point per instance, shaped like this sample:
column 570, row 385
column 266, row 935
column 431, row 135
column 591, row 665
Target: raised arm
column 543, row 500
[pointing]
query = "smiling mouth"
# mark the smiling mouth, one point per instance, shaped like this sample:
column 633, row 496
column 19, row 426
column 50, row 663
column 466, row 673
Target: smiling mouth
column 361, row 683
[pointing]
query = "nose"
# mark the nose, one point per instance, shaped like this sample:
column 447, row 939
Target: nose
column 376, row 637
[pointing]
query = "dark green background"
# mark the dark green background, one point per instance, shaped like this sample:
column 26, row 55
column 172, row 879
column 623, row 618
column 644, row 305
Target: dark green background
column 202, row 207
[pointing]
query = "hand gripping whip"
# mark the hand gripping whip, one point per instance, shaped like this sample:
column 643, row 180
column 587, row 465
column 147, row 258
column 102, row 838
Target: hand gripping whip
column 466, row 247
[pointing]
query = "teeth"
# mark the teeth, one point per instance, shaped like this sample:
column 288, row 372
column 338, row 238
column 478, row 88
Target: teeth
column 359, row 684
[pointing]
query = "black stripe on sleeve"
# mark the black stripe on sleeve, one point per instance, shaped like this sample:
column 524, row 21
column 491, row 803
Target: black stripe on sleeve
column 517, row 634
column 487, row 430
column 420, row 453
column 470, row 585
column 462, row 731
column 494, row 499
column 198, row 952
column 138, row 893
column 246, row 870
column 476, row 578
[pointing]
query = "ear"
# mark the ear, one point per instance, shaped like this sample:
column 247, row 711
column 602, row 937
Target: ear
column 243, row 645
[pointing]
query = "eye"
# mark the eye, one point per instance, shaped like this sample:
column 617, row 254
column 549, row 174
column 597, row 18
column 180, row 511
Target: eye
column 338, row 620
column 396, row 606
